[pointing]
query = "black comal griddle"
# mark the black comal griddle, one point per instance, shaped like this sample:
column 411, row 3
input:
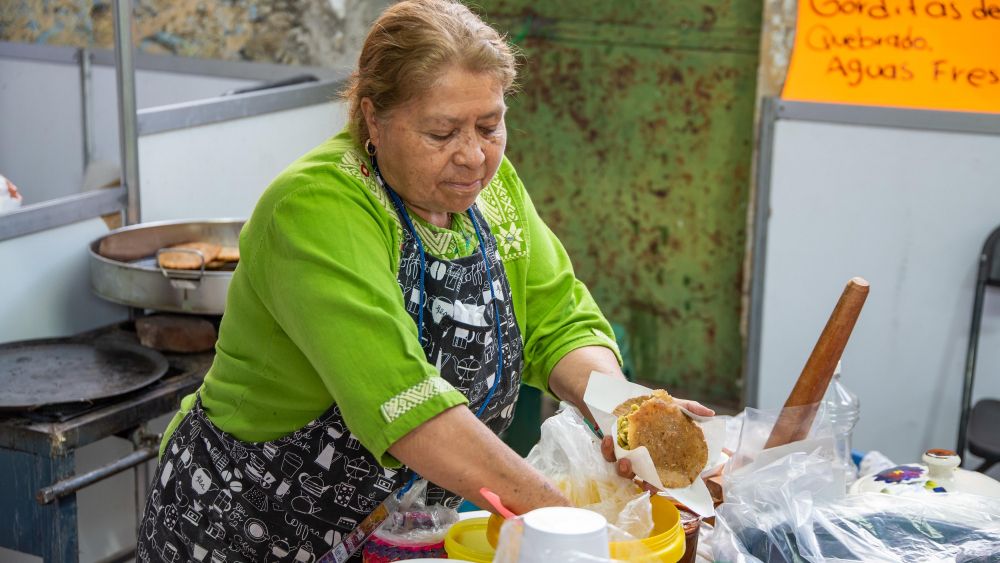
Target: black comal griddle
column 41, row 373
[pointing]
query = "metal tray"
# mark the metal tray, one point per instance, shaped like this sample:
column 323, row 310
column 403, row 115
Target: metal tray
column 123, row 266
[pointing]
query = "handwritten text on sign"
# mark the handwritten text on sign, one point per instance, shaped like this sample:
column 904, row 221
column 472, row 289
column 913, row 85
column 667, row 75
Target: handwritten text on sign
column 935, row 54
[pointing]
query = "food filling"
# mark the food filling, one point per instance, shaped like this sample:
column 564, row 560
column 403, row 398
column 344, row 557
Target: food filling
column 623, row 428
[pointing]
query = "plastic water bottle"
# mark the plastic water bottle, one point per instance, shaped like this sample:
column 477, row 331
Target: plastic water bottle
column 843, row 409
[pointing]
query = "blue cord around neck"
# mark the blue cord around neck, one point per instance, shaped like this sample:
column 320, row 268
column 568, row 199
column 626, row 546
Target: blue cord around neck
column 401, row 209
column 496, row 315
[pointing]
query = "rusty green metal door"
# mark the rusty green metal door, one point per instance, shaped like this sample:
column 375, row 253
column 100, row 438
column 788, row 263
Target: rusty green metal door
column 633, row 132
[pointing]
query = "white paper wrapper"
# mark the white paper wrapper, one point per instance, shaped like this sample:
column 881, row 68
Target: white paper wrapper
column 604, row 393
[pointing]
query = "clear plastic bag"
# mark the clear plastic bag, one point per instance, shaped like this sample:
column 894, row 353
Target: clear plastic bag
column 788, row 505
column 869, row 527
column 569, row 453
column 750, row 474
column 412, row 522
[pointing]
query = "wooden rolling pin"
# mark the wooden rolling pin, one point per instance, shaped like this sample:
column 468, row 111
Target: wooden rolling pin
column 800, row 408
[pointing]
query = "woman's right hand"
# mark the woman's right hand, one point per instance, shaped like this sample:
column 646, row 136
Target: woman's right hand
column 456, row 451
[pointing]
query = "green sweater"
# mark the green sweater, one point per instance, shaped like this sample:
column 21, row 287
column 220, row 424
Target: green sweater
column 314, row 313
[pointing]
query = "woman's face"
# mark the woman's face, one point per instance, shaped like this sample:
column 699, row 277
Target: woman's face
column 439, row 150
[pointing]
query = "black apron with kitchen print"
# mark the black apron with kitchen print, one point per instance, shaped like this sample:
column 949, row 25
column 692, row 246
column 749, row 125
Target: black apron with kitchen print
column 220, row 500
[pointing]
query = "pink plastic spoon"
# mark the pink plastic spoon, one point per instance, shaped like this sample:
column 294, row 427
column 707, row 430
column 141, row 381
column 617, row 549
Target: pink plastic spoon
column 494, row 500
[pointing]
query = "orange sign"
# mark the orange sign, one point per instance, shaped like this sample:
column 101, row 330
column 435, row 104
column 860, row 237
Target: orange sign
column 928, row 54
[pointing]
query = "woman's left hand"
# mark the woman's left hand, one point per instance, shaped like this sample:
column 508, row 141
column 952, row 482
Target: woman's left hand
column 623, row 466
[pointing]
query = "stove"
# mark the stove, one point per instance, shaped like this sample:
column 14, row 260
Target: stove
column 68, row 425
column 64, row 412
column 38, row 449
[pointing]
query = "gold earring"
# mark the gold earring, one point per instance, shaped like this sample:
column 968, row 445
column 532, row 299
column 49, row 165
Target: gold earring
column 370, row 147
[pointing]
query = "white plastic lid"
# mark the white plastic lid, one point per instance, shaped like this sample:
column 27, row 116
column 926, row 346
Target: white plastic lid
column 565, row 520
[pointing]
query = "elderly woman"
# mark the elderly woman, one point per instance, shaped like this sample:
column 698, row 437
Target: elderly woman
column 396, row 288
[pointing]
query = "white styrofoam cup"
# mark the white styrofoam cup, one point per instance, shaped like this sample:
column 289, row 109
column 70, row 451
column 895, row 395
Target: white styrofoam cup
column 554, row 532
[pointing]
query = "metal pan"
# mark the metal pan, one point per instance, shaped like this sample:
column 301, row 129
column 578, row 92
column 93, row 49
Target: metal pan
column 124, row 269
column 35, row 373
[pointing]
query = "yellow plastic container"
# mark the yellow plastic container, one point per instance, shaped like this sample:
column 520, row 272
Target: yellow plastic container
column 665, row 543
column 466, row 540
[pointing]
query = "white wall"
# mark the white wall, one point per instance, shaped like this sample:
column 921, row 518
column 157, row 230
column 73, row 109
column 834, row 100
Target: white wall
column 220, row 170
column 211, row 171
column 40, row 142
column 152, row 89
column 46, row 286
column 41, row 131
column 908, row 210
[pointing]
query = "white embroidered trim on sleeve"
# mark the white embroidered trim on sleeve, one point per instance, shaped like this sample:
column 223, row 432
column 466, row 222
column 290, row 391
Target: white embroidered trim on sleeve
column 414, row 396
